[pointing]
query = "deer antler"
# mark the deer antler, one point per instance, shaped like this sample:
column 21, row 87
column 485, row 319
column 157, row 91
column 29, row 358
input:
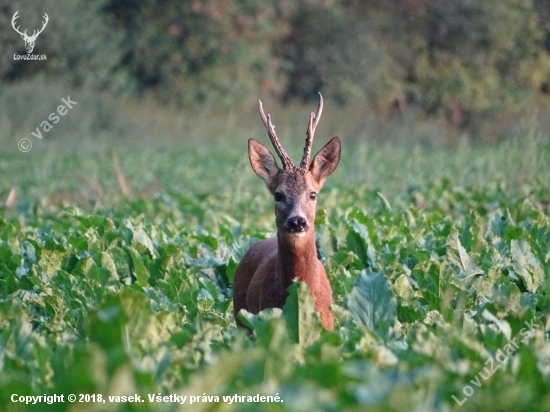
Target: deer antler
column 287, row 163
column 35, row 33
column 313, row 120
column 15, row 17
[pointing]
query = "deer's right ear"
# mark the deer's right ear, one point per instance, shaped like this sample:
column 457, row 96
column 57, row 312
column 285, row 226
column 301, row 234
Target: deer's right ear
column 262, row 162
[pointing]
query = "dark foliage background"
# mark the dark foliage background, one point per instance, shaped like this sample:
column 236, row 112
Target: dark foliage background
column 459, row 60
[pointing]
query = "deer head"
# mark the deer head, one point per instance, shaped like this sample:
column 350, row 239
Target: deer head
column 29, row 40
column 294, row 188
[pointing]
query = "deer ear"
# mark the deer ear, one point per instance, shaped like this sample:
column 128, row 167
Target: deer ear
column 262, row 162
column 325, row 162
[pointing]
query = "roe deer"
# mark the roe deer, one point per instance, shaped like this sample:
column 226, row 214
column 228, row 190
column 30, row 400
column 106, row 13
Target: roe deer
column 268, row 268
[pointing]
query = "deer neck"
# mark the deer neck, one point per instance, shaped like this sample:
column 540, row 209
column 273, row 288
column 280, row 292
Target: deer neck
column 297, row 258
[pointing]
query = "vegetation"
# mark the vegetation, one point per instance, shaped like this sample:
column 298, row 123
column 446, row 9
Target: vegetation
column 437, row 259
column 121, row 228
column 462, row 61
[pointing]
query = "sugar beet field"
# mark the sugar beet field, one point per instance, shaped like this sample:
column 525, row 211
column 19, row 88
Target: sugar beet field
column 116, row 270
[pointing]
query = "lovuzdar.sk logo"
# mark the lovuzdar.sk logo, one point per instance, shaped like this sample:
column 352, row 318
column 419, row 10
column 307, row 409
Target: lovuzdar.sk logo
column 29, row 40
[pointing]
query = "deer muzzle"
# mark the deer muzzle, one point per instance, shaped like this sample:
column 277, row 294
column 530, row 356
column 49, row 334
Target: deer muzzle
column 297, row 226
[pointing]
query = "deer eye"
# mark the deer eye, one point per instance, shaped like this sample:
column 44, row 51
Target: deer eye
column 279, row 197
column 313, row 195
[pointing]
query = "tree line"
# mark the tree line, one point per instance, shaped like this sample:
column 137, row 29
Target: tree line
column 462, row 60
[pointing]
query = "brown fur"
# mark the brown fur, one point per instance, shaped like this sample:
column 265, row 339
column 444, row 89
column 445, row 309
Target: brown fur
column 269, row 266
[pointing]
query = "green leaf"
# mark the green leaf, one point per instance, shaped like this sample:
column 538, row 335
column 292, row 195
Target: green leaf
column 402, row 287
column 205, row 301
column 86, row 267
column 50, row 261
column 108, row 263
column 527, row 265
column 141, row 241
column 230, row 269
column 458, row 255
column 372, row 304
column 303, row 322
column 139, row 268
column 269, row 326
column 358, row 241
column 502, row 324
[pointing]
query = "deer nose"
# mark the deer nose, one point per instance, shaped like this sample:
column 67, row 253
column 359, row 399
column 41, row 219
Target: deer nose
column 296, row 224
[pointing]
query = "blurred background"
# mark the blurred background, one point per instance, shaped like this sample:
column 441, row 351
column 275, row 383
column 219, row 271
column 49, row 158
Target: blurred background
column 194, row 70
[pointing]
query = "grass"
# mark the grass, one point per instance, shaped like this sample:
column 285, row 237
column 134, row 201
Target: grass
column 222, row 173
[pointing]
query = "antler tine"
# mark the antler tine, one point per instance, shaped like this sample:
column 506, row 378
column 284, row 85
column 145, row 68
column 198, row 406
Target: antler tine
column 313, row 120
column 46, row 20
column 13, row 22
column 37, row 32
column 287, row 163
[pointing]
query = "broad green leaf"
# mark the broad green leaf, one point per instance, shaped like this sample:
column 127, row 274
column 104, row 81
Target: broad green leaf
column 108, row 263
column 230, row 269
column 302, row 320
column 87, row 268
column 50, row 261
column 358, row 241
column 527, row 265
column 402, row 287
column 141, row 241
column 458, row 255
column 271, row 331
column 205, row 301
column 372, row 304
column 139, row 268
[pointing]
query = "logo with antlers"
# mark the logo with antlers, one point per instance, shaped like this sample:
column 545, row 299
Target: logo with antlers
column 29, row 40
